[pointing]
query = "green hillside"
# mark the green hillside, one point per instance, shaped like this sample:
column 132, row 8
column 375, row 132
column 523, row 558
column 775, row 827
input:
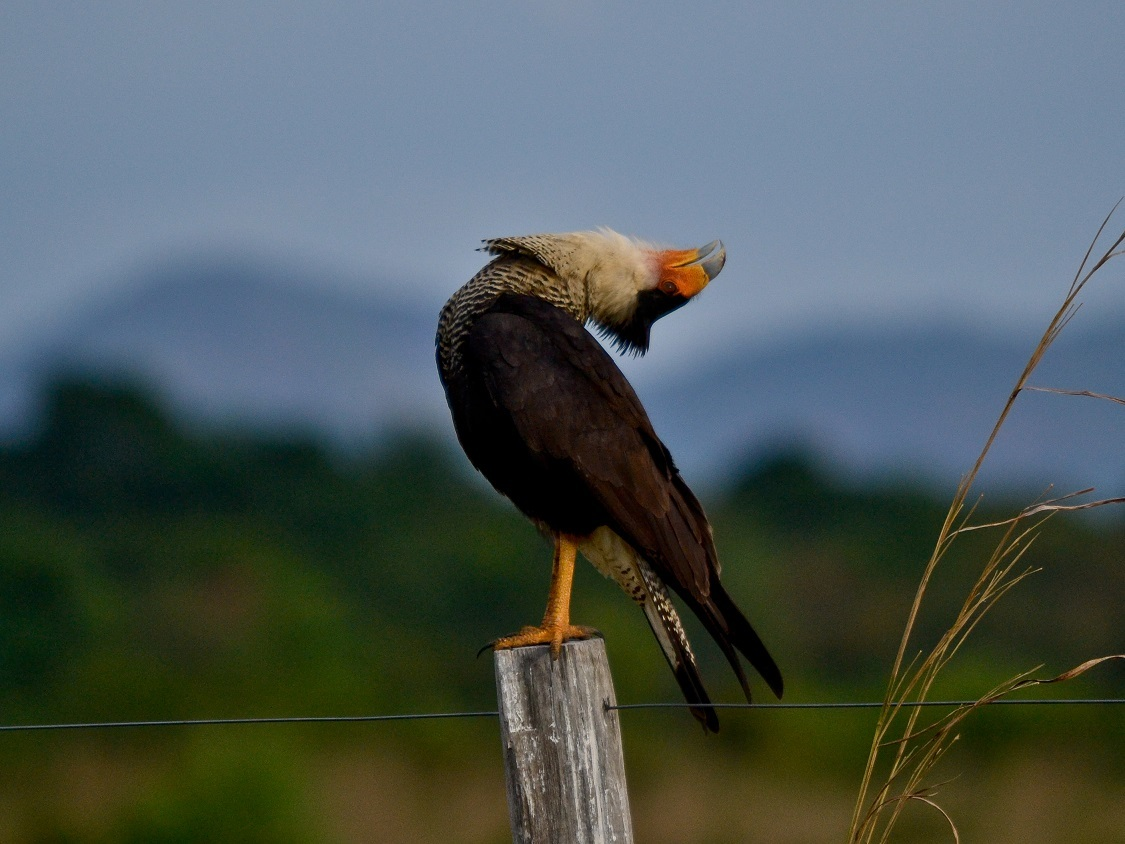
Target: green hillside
column 149, row 571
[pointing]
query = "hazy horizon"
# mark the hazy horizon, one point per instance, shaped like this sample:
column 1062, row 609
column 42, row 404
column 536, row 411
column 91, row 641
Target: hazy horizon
column 864, row 164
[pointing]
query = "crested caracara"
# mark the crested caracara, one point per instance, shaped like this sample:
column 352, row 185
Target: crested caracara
column 545, row 414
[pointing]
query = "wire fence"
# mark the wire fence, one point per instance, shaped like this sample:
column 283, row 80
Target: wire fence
column 621, row 707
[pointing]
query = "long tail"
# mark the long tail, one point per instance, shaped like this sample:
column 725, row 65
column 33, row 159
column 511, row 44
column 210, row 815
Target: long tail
column 669, row 631
column 689, row 550
column 730, row 629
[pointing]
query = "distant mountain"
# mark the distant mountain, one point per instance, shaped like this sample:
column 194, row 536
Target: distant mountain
column 236, row 342
column 910, row 402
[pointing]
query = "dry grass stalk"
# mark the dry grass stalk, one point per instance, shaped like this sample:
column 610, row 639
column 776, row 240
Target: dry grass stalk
column 914, row 750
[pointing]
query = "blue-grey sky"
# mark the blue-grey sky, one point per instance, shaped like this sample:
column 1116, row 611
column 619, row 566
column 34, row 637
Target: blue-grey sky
column 862, row 161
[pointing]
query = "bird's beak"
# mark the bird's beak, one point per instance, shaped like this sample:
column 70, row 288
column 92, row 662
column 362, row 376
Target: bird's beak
column 690, row 270
column 709, row 258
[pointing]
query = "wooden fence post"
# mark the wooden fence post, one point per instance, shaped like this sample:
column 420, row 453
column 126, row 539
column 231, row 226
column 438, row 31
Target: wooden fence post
column 562, row 748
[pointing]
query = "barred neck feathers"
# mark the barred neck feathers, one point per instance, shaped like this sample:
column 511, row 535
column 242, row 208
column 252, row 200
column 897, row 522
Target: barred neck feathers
column 606, row 270
column 504, row 274
column 591, row 275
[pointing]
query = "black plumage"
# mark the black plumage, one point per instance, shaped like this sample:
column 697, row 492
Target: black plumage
column 542, row 410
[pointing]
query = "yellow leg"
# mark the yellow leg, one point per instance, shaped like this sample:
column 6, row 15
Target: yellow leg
column 556, row 627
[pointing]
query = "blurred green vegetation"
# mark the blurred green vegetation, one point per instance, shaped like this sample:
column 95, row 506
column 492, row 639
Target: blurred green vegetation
column 153, row 571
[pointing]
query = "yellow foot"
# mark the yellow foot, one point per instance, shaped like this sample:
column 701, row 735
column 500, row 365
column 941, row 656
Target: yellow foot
column 553, row 636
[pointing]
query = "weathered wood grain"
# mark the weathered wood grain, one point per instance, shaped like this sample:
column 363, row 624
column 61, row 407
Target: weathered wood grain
column 562, row 748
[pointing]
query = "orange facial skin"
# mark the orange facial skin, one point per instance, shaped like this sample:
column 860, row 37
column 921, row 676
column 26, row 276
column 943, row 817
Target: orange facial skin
column 680, row 280
column 684, row 272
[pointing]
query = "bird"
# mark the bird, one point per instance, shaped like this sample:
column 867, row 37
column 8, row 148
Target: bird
column 542, row 410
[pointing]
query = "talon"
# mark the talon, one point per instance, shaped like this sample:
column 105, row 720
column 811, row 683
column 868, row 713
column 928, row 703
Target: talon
column 549, row 635
column 498, row 644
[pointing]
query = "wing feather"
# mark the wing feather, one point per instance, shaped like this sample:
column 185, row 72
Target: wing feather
column 580, row 420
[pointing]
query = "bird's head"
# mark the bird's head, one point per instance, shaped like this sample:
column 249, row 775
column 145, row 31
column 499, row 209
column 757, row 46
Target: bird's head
column 626, row 284
column 632, row 289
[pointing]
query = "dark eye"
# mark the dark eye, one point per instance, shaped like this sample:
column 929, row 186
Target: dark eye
column 668, row 287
